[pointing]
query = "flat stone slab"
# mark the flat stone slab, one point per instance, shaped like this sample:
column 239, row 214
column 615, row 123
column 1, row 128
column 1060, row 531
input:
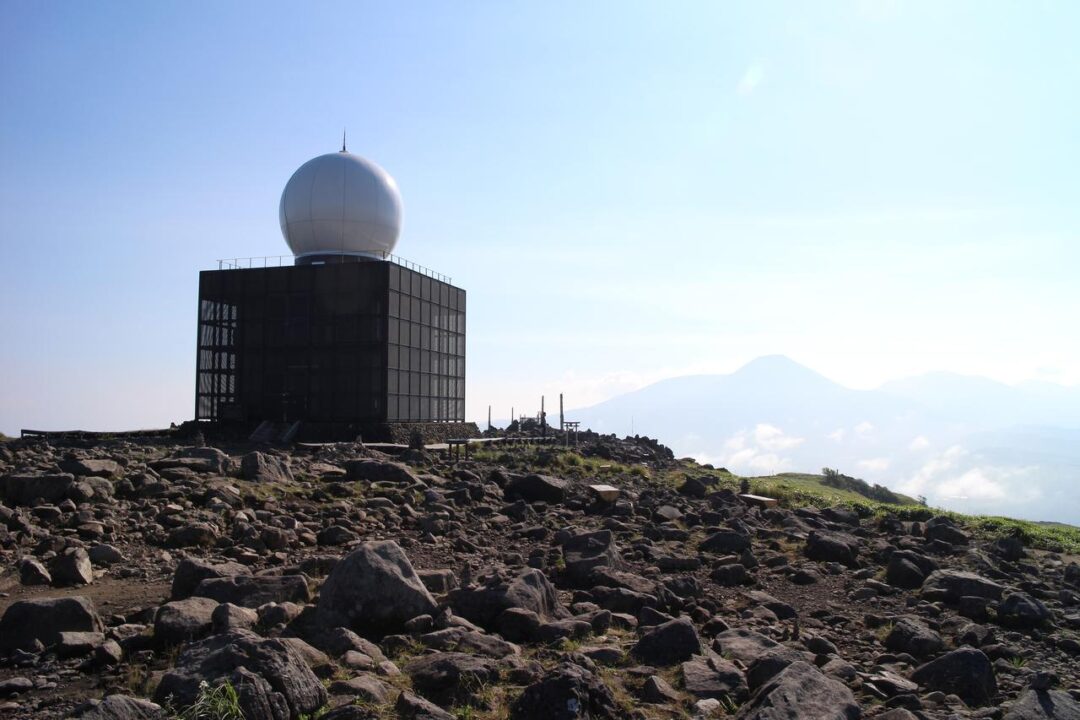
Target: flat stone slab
column 607, row 493
column 760, row 500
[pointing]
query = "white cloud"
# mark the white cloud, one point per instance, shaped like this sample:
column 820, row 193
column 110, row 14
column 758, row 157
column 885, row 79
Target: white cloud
column 874, row 464
column 771, row 437
column 864, row 428
column 972, row 485
column 837, row 435
column 919, row 443
column 751, row 78
column 756, row 452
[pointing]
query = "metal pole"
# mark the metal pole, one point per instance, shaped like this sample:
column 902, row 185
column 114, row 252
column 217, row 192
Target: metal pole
column 562, row 420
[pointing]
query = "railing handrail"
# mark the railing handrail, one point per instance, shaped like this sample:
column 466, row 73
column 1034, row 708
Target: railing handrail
column 279, row 261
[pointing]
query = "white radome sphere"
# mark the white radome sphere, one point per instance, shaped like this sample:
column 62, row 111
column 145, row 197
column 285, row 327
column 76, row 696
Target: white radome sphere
column 340, row 203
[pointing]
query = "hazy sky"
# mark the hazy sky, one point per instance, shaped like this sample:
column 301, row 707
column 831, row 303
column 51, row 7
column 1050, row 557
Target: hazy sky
column 628, row 191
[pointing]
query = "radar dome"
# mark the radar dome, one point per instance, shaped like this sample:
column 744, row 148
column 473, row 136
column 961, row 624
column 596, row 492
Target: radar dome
column 340, row 204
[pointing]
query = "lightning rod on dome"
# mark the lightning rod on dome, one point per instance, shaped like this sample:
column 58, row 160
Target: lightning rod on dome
column 343, row 140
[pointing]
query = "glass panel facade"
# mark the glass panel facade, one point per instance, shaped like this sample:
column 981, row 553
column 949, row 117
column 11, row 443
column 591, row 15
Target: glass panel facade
column 349, row 342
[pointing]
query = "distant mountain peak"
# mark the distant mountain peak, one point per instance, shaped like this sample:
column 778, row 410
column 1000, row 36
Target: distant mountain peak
column 778, row 368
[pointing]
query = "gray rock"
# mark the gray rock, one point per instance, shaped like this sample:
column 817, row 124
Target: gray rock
column 365, row 687
column 279, row 683
column 251, row 591
column 530, row 590
column 92, row 468
column 943, row 528
column 438, row 582
column 183, row 620
column 32, row 572
column 102, row 554
column 379, row 471
column 28, row 489
column 832, row 547
column 714, row 678
column 191, row 571
column 587, row 551
column 772, row 662
column 1044, row 705
column 374, row 587
column 570, row 692
column 15, row 685
column 670, row 643
column 729, row 575
column 261, row 467
column 726, row 542
column 801, row 691
column 71, row 567
column 966, row 673
column 912, row 636
column 656, row 690
column 227, row 616
column 908, row 569
column 743, row 645
column 120, row 707
column 536, row 488
column 1021, row 610
column 27, row 621
column 451, row 678
column 194, row 534
column 336, row 535
column 951, row 585
column 414, row 707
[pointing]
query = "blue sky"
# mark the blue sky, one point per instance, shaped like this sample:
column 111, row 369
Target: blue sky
column 628, row 191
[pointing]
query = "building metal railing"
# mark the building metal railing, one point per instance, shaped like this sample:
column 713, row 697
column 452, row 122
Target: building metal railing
column 280, row 261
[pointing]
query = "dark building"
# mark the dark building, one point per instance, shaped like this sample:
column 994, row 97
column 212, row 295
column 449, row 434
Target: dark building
column 333, row 345
column 350, row 339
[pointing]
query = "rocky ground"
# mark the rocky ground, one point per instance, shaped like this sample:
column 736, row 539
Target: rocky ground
column 156, row 580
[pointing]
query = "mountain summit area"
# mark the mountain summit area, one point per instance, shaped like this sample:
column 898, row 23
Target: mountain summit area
column 156, row 579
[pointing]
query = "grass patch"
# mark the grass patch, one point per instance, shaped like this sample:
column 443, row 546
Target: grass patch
column 219, row 702
column 563, row 462
column 794, row 490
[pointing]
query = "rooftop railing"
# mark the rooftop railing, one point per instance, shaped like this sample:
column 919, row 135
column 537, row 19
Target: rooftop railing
column 283, row 260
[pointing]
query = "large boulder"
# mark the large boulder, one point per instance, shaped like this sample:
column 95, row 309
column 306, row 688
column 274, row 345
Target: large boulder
column 451, row 678
column 71, row 567
column 743, row 645
column 261, row 467
column 727, row 542
column 535, row 488
column 672, row 642
column 251, row 591
column 570, row 692
column 1044, row 705
column 29, row 489
column 85, row 467
column 530, row 590
column 192, row 571
column 951, row 585
column 801, row 691
column 585, row 552
column 966, row 672
column 912, row 636
column 183, row 620
column 832, row 547
column 271, row 676
column 908, row 569
column 712, row 677
column 1023, row 611
column 374, row 588
column 27, row 621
